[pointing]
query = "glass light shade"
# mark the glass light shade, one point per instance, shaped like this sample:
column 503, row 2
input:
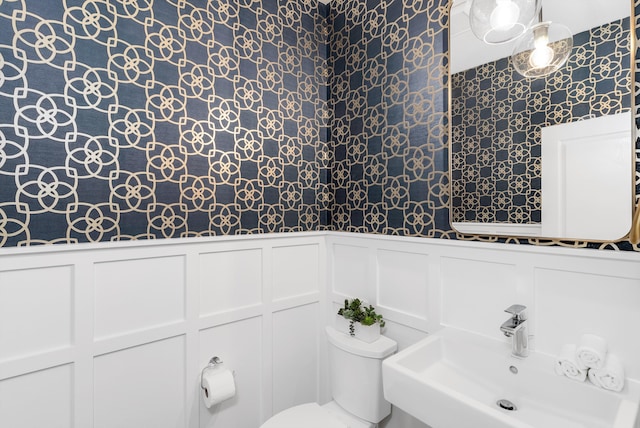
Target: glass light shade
column 543, row 49
column 501, row 21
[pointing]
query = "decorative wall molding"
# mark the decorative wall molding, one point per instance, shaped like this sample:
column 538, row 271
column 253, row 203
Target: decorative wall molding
column 420, row 284
column 89, row 327
column 136, row 148
column 115, row 334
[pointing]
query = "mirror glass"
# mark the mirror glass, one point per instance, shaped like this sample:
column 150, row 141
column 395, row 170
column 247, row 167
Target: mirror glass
column 550, row 157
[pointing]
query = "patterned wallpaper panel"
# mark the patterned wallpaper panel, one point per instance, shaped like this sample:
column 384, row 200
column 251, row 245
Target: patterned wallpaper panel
column 161, row 118
column 497, row 117
column 388, row 82
column 167, row 118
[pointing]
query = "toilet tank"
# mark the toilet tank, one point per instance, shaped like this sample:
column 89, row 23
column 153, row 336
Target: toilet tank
column 356, row 374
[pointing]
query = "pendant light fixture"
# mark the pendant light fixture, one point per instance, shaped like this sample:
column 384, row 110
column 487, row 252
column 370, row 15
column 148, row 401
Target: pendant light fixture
column 543, row 49
column 501, row 21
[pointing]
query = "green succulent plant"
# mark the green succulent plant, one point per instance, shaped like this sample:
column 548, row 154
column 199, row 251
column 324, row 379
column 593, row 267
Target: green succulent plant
column 354, row 311
column 370, row 317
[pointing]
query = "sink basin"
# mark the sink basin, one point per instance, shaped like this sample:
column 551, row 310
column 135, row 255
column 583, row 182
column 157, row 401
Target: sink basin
column 455, row 379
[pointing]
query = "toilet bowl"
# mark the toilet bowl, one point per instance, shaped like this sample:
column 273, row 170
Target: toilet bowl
column 312, row 415
column 356, row 387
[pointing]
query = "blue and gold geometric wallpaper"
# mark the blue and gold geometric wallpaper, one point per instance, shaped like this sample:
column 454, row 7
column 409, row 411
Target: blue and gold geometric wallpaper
column 149, row 119
column 161, row 118
column 388, row 84
column 497, row 116
column 388, row 93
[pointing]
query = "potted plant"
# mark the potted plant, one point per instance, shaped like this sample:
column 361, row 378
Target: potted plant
column 363, row 321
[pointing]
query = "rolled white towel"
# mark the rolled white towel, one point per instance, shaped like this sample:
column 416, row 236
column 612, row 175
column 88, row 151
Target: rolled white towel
column 566, row 364
column 611, row 376
column 591, row 352
column 591, row 374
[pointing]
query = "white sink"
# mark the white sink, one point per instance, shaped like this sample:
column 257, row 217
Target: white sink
column 454, row 379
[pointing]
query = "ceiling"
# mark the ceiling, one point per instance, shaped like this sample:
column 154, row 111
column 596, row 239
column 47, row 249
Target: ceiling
column 578, row 15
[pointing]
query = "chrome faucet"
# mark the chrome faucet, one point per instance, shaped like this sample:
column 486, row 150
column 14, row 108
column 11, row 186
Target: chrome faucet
column 516, row 328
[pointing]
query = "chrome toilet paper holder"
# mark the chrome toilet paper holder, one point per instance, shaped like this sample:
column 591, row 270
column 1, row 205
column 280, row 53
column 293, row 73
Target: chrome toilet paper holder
column 213, row 363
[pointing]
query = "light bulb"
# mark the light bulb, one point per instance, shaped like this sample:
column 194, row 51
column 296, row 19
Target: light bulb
column 542, row 50
column 501, row 21
column 504, row 16
column 542, row 55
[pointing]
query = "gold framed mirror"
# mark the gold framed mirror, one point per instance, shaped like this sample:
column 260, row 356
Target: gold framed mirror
column 551, row 157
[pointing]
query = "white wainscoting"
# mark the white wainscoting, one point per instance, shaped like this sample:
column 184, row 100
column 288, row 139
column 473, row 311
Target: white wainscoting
column 420, row 284
column 115, row 335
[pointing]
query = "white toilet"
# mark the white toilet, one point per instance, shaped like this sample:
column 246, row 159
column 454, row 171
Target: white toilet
column 356, row 387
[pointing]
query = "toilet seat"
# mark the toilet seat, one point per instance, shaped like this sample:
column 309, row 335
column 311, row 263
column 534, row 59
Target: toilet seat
column 309, row 415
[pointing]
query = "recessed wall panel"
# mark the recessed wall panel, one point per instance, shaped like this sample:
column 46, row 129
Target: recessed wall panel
column 295, row 271
column 350, row 270
column 39, row 399
column 403, row 282
column 569, row 304
column 295, row 356
column 35, row 311
column 476, row 293
column 230, row 280
column 138, row 294
column 142, row 386
column 245, row 358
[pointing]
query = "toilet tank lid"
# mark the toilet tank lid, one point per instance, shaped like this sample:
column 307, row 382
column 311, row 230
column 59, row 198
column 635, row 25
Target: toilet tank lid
column 381, row 348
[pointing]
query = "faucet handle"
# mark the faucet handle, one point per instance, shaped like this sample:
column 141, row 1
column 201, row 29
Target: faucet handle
column 519, row 312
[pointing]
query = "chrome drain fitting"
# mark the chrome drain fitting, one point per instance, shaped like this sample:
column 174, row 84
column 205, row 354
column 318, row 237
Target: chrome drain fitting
column 506, row 405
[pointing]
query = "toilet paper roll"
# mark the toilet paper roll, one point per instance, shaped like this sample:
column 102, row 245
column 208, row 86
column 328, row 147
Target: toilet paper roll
column 217, row 385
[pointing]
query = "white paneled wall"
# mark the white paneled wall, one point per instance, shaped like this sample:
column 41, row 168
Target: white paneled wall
column 226, row 283
column 241, row 344
column 51, row 390
column 352, row 273
column 402, row 284
column 35, row 310
column 121, row 288
column 291, row 330
column 292, row 263
column 467, row 284
column 421, row 284
column 115, row 335
column 141, row 386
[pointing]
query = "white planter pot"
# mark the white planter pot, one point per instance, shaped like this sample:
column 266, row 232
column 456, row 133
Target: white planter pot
column 342, row 324
column 367, row 333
